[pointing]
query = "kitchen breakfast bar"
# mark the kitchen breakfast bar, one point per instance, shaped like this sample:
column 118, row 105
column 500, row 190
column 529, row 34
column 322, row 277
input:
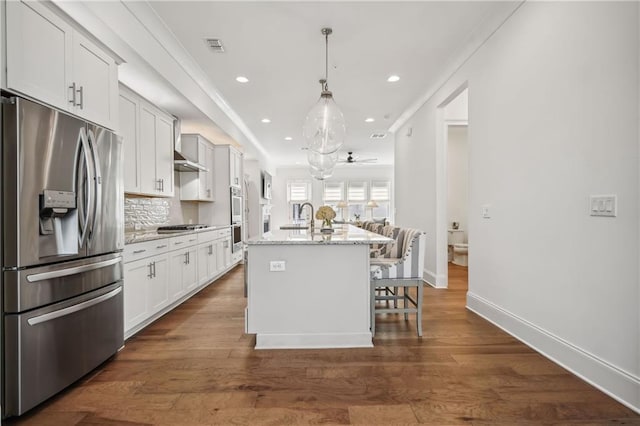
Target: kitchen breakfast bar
column 310, row 290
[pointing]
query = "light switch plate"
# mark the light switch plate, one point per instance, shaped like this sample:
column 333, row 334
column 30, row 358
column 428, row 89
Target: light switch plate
column 277, row 266
column 486, row 211
column 603, row 205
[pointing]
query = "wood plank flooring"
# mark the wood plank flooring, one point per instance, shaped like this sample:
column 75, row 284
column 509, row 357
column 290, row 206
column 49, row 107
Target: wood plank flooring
column 195, row 366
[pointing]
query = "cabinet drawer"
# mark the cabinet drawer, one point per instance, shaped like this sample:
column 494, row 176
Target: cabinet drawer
column 205, row 237
column 223, row 233
column 183, row 241
column 144, row 249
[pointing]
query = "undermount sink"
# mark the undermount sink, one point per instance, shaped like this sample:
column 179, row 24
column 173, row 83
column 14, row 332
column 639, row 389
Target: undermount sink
column 294, row 227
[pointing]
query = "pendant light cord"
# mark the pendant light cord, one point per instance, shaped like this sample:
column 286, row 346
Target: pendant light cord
column 326, row 61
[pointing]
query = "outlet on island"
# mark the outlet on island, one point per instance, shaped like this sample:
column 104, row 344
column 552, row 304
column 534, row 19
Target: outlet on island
column 277, row 266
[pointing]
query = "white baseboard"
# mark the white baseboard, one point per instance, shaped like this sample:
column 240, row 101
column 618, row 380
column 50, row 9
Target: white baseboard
column 615, row 382
column 313, row 341
column 437, row 281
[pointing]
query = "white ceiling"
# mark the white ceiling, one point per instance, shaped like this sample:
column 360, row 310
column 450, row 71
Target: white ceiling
column 279, row 47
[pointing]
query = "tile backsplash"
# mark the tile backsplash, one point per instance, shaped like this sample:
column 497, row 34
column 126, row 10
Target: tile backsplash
column 141, row 213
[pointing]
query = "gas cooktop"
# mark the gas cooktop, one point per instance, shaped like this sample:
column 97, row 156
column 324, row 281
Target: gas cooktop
column 180, row 228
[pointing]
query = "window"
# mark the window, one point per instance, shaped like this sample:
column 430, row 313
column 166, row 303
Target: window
column 380, row 190
column 381, row 194
column 333, row 192
column 357, row 191
column 298, row 193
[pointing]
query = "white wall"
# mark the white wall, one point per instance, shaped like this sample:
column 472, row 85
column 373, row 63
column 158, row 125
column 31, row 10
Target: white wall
column 457, row 177
column 279, row 212
column 553, row 118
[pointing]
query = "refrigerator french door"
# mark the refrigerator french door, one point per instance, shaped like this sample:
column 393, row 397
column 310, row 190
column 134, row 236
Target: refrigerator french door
column 62, row 238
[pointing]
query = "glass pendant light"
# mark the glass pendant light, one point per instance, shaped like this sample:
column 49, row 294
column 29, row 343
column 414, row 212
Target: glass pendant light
column 322, row 161
column 324, row 128
column 320, row 174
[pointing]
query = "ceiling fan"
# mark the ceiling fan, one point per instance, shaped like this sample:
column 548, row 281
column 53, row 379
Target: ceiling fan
column 352, row 160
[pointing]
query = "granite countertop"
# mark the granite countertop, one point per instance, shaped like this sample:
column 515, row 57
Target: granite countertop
column 148, row 235
column 343, row 234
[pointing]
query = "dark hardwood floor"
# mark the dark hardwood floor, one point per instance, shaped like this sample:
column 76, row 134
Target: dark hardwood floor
column 196, row 366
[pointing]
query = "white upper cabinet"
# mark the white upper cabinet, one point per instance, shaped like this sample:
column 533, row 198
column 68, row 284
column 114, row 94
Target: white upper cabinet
column 129, row 108
column 235, row 168
column 197, row 185
column 147, row 135
column 51, row 62
column 96, row 78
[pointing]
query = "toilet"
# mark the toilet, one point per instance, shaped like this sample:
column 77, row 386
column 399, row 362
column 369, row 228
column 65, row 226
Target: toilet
column 460, row 254
column 454, row 236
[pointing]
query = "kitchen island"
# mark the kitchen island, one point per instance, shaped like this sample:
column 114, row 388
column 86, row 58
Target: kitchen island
column 310, row 290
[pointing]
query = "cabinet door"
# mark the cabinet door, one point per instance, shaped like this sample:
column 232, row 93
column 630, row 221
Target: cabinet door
column 203, row 262
column 39, row 46
column 190, row 271
column 148, row 182
column 177, row 261
column 220, row 248
column 210, row 176
column 237, row 160
column 159, row 284
column 164, row 155
column 202, row 176
column 136, row 283
column 227, row 253
column 129, row 129
column 96, row 77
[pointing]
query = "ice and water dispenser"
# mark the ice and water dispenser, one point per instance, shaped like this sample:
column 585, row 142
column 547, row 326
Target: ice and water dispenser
column 58, row 223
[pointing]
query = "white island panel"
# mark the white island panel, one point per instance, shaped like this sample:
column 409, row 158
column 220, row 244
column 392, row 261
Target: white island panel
column 320, row 300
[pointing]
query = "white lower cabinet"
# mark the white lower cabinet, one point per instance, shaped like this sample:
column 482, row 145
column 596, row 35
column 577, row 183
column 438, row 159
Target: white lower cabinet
column 207, row 267
column 146, row 288
column 160, row 274
column 183, row 271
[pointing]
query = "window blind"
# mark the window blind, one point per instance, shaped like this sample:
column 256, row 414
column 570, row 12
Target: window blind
column 380, row 190
column 333, row 191
column 357, row 191
column 298, row 191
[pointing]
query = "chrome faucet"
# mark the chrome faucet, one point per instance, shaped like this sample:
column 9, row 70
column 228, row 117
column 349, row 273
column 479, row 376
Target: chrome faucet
column 311, row 207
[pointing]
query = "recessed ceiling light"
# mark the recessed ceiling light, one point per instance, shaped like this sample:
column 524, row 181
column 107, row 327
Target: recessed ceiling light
column 370, row 120
column 242, row 79
column 288, row 138
column 393, row 78
column 266, row 120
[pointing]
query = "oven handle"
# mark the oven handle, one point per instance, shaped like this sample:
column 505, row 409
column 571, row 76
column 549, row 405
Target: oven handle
column 71, row 309
column 72, row 271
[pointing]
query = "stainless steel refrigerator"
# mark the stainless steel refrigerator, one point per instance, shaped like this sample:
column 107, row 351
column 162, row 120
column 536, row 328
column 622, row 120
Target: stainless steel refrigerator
column 62, row 238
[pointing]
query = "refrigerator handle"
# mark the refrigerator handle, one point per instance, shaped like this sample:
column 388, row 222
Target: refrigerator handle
column 97, row 182
column 87, row 201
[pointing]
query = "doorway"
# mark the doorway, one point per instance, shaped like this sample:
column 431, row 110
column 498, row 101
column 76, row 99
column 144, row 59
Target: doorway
column 453, row 184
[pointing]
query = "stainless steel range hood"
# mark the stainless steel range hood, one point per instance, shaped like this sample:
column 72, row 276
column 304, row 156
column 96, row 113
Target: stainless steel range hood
column 180, row 163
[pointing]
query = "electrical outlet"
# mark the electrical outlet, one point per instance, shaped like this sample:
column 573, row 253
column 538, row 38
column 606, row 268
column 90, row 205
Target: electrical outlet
column 277, row 266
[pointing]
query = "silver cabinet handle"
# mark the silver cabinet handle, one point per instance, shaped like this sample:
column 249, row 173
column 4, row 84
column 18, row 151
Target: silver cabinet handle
column 210, row 249
column 186, row 258
column 150, row 270
column 72, row 271
column 81, row 92
column 139, row 251
column 159, row 185
column 192, row 240
column 208, row 193
column 154, row 269
column 73, row 94
column 161, row 246
column 75, row 308
column 177, row 243
column 162, row 184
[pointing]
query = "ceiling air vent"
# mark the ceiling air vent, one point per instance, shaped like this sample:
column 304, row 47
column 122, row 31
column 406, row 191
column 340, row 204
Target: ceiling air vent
column 378, row 135
column 215, row 44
